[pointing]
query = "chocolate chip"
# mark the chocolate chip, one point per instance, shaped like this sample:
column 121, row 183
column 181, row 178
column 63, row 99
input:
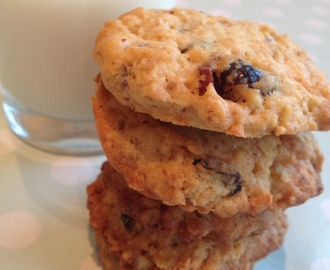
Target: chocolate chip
column 128, row 222
column 230, row 177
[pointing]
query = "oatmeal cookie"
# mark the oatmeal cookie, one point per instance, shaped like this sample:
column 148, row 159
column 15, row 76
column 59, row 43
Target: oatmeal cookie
column 139, row 247
column 205, row 170
column 172, row 220
column 192, row 69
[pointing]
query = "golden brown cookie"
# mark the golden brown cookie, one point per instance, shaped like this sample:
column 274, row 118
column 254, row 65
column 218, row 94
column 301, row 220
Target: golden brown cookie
column 140, row 247
column 192, row 69
column 187, row 226
column 204, row 170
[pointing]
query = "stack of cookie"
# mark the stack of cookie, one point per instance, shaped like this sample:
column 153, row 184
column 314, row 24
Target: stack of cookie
column 206, row 124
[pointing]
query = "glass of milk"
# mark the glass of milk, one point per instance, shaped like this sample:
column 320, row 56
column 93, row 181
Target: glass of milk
column 47, row 70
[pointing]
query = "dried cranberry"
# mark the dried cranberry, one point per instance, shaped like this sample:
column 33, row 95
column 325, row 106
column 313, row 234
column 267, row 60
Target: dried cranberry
column 206, row 73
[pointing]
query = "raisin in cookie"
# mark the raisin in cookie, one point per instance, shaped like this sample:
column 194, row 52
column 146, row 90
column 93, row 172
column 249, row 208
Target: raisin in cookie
column 192, row 69
column 205, row 170
column 138, row 247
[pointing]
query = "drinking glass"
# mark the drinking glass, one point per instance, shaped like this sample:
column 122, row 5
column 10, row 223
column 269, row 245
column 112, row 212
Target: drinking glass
column 47, row 70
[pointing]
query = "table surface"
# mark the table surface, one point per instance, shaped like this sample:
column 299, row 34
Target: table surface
column 43, row 215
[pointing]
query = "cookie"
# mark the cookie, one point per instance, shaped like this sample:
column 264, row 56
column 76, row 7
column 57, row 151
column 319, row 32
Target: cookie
column 204, row 170
column 192, row 69
column 171, row 220
column 139, row 247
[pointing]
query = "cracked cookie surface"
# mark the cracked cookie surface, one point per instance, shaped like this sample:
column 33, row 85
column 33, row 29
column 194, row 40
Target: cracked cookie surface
column 192, row 69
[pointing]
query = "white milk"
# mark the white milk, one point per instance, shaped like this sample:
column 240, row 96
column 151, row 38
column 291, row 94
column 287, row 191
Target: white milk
column 46, row 51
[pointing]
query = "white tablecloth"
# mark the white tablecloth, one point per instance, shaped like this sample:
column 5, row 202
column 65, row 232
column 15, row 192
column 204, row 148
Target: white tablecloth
column 43, row 215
